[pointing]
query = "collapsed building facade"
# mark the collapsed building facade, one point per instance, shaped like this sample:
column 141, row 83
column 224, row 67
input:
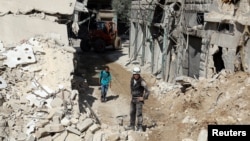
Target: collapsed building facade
column 195, row 38
column 39, row 95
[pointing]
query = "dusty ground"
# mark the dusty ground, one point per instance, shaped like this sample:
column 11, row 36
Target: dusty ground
column 176, row 115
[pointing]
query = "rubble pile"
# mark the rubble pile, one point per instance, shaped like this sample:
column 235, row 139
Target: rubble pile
column 222, row 99
column 36, row 98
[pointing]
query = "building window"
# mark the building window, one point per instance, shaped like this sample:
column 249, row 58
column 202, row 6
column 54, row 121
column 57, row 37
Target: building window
column 226, row 28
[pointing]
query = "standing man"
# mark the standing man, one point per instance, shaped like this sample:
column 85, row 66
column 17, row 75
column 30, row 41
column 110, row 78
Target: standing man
column 105, row 82
column 139, row 93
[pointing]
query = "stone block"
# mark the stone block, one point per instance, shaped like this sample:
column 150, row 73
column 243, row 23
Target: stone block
column 42, row 123
column 82, row 117
column 41, row 132
column 55, row 112
column 47, row 138
column 73, row 137
column 82, row 126
column 74, row 120
column 56, row 119
column 57, row 102
column 73, row 130
column 60, row 136
column 89, row 136
column 3, row 123
column 76, row 109
column 65, row 121
column 93, row 128
column 54, row 128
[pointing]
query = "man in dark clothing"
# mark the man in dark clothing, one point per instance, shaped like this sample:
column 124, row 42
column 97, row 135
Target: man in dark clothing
column 139, row 93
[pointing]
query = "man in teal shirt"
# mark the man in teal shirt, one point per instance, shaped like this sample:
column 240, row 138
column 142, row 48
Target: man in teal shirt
column 105, row 82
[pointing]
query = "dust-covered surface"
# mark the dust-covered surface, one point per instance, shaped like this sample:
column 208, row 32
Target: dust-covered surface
column 44, row 100
column 37, row 100
column 30, row 26
column 172, row 111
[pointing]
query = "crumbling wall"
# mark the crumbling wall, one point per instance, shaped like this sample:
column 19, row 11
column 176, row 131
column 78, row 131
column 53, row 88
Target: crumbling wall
column 37, row 98
column 196, row 38
column 228, row 28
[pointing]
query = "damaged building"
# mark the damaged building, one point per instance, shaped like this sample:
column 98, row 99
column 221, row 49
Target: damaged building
column 39, row 95
column 195, row 38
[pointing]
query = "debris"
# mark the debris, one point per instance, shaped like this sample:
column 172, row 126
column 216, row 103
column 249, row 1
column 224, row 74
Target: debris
column 93, row 113
column 3, row 83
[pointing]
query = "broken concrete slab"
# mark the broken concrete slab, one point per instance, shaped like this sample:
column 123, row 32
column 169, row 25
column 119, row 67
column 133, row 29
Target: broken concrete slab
column 98, row 136
column 65, row 121
column 30, row 127
column 46, row 138
column 22, row 54
column 56, row 119
column 56, row 102
column 32, row 26
column 55, row 111
column 35, row 100
column 93, row 128
column 41, row 93
column 88, row 136
column 54, row 128
column 63, row 7
column 21, row 136
column 83, row 125
column 41, row 132
column 74, row 120
column 41, row 123
column 60, row 136
column 73, row 137
column 73, row 130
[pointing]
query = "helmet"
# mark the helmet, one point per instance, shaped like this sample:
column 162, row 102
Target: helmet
column 136, row 70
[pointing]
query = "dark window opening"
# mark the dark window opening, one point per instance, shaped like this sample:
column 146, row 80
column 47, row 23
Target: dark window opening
column 226, row 28
column 176, row 5
column 200, row 18
column 218, row 61
column 158, row 15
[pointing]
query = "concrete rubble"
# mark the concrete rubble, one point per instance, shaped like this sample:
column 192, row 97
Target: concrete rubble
column 39, row 93
column 38, row 102
column 36, row 96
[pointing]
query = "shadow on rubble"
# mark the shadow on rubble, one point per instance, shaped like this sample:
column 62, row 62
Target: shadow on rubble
column 85, row 92
column 112, row 97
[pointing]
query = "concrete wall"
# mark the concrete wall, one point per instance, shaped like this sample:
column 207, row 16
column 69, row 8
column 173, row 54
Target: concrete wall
column 196, row 38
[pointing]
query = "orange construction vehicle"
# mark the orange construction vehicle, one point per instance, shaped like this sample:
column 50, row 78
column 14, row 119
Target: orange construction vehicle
column 101, row 34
